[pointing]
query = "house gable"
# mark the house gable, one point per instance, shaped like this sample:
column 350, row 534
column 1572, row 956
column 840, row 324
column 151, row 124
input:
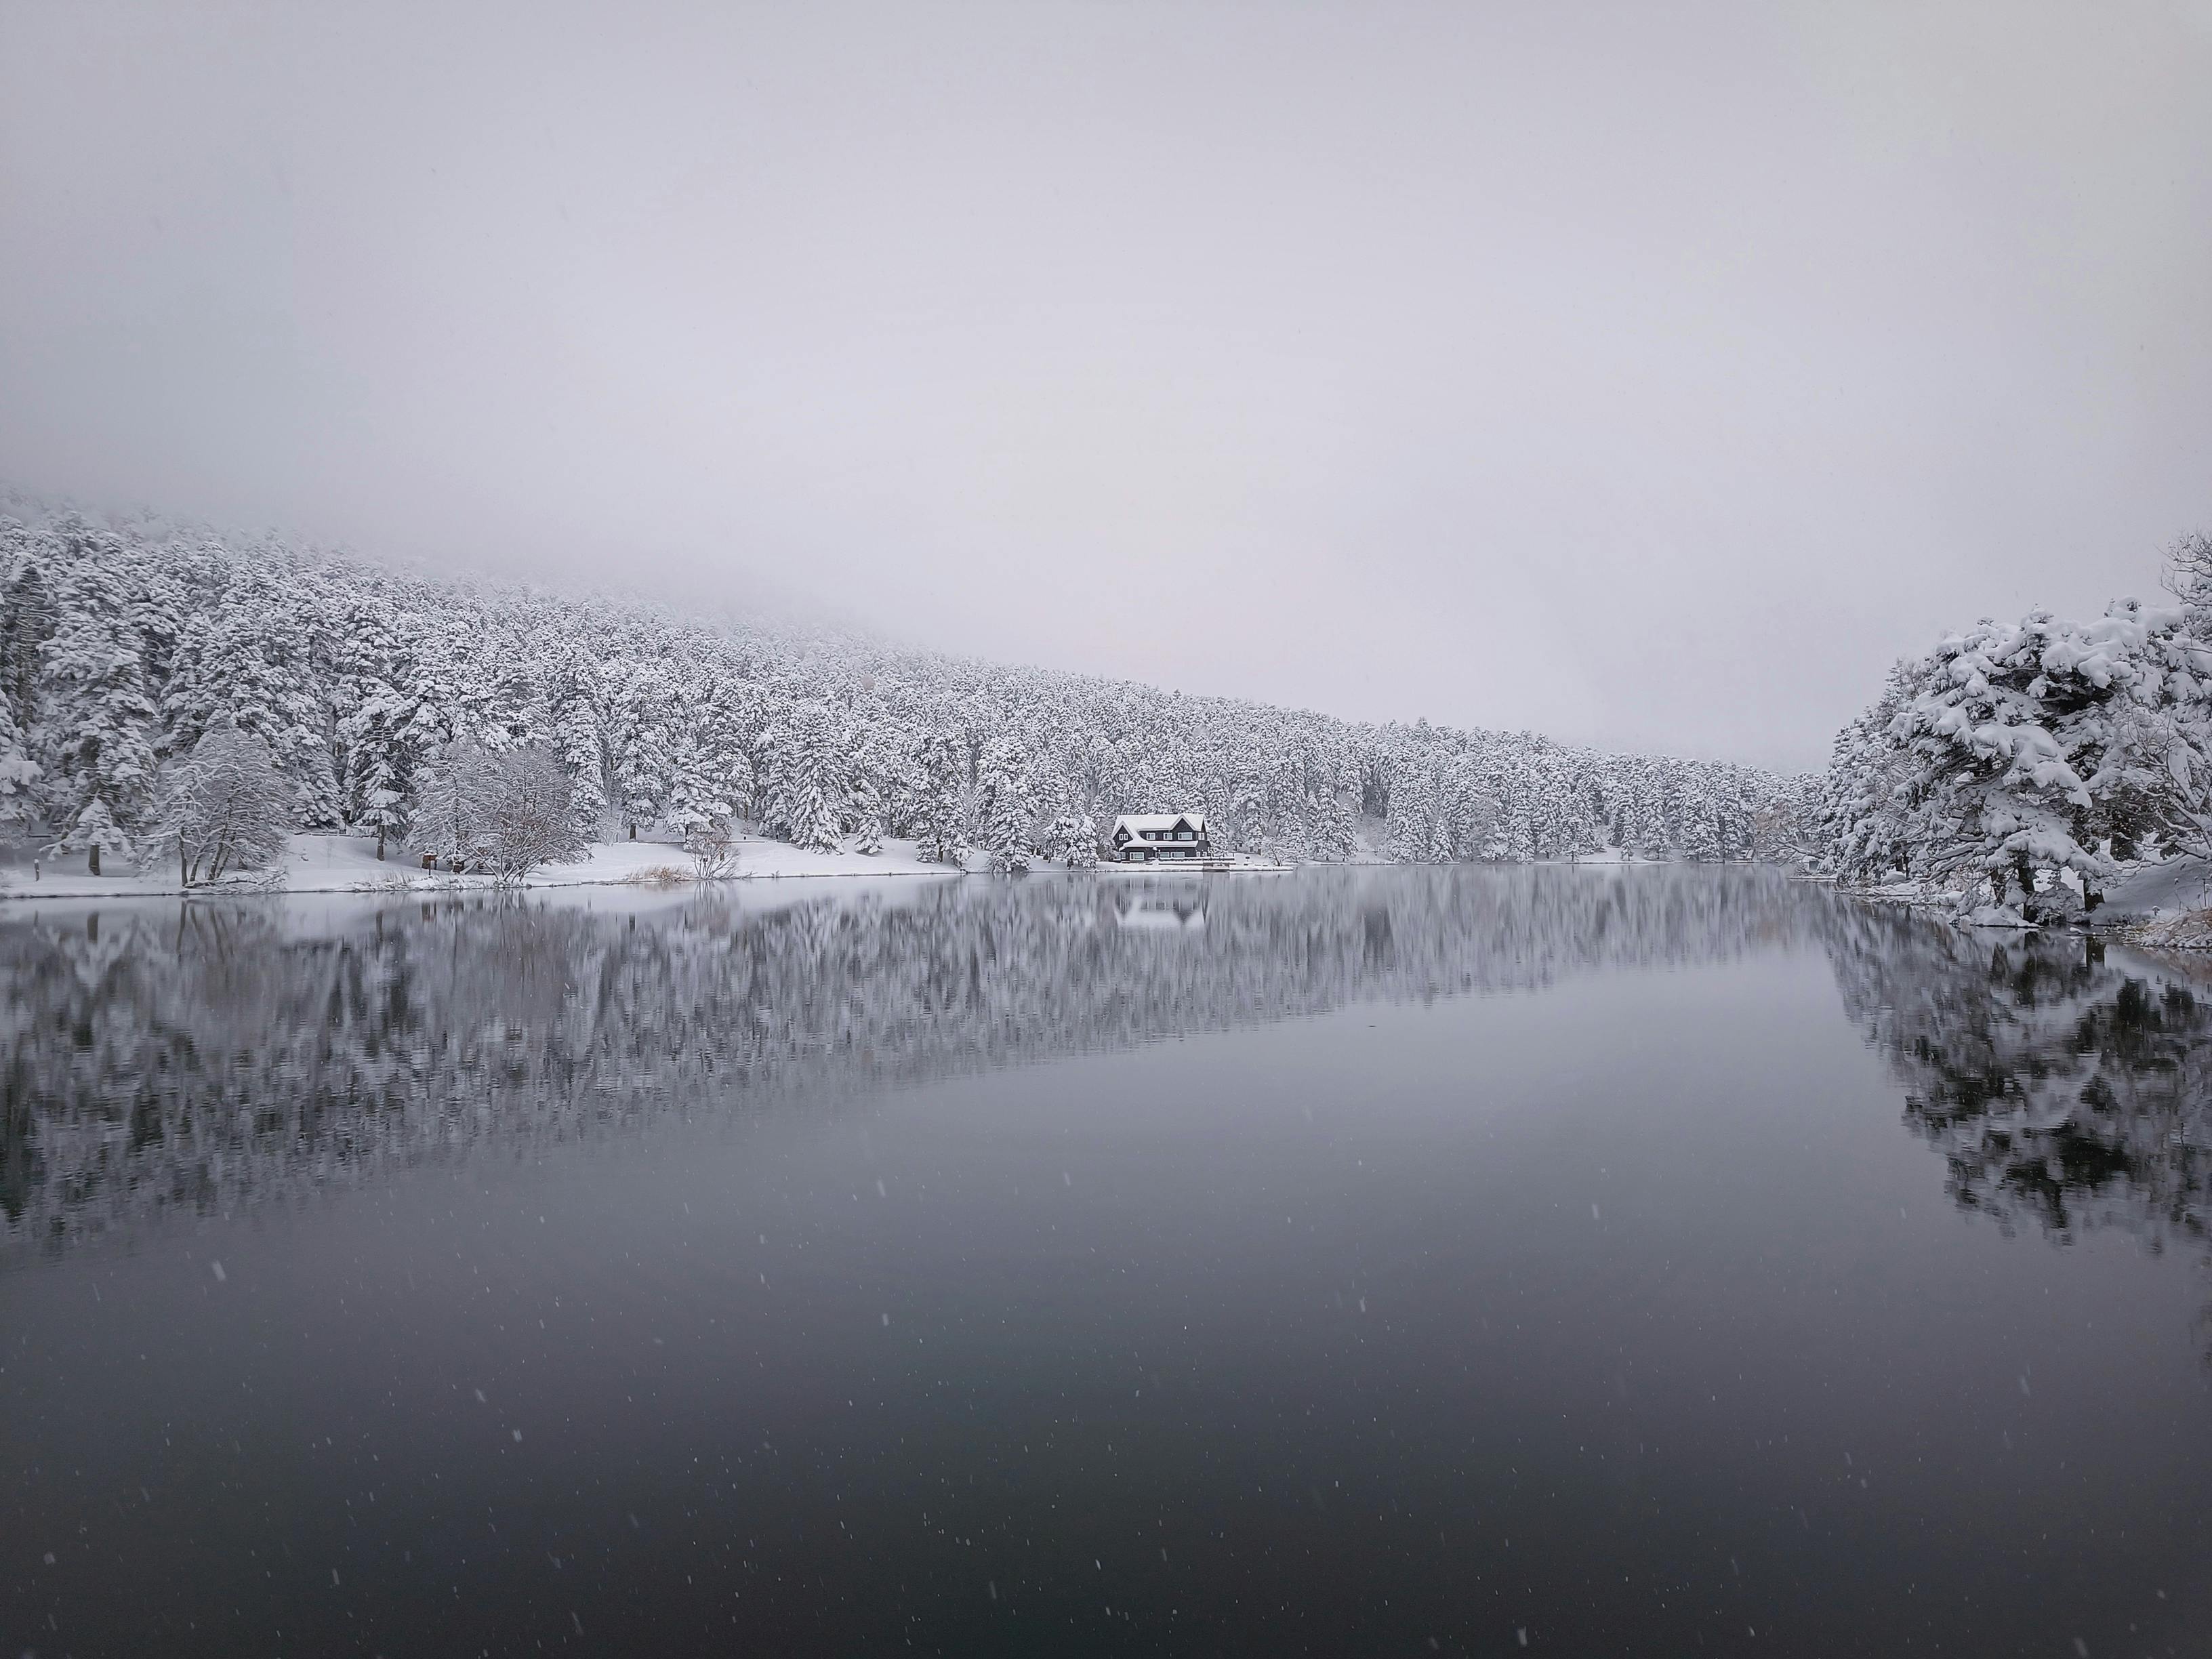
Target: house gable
column 1175, row 834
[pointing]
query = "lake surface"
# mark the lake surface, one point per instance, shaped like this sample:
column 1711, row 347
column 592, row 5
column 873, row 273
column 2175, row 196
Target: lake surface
column 1571, row 1261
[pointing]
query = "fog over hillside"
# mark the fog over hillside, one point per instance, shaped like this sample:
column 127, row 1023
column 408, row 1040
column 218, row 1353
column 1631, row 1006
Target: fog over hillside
column 1648, row 376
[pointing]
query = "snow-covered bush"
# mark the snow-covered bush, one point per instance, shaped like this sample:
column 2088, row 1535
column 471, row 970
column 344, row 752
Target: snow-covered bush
column 713, row 858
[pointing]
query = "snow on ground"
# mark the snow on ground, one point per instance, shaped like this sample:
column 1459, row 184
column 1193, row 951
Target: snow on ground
column 2168, row 903
column 2164, row 904
column 2149, row 892
column 346, row 863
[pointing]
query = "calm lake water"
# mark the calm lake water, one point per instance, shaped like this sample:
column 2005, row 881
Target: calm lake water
column 1568, row 1260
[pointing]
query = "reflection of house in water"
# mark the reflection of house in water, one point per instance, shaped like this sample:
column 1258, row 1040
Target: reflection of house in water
column 1175, row 912
column 1150, row 837
column 298, row 1050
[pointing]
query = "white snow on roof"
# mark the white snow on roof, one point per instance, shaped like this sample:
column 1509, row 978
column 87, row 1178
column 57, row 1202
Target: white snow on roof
column 1136, row 822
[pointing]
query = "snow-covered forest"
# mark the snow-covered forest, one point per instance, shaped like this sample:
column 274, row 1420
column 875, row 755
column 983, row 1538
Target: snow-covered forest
column 124, row 643
column 2021, row 769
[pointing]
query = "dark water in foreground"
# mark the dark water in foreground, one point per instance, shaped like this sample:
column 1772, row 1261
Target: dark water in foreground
column 1645, row 1262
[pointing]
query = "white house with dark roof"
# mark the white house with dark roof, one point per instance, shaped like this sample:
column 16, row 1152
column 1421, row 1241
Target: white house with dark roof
column 1153, row 837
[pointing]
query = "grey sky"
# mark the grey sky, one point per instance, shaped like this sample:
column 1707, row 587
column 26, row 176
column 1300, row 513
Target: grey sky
column 1648, row 375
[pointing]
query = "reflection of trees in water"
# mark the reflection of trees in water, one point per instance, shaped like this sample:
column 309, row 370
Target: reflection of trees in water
column 202, row 1057
column 2065, row 1086
column 207, row 1056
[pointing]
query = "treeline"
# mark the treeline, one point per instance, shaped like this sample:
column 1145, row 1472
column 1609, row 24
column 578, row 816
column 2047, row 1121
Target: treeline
column 2019, row 766
column 122, row 644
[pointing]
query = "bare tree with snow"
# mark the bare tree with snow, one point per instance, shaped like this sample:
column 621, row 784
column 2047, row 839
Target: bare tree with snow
column 501, row 814
column 222, row 808
column 530, row 816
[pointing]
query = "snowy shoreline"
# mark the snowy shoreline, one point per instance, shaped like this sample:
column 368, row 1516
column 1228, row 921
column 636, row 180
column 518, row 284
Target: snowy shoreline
column 320, row 864
column 327, row 864
column 2164, row 906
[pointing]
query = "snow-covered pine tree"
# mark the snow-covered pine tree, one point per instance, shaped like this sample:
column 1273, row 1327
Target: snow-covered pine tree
column 698, row 809
column 1700, row 823
column 808, row 788
column 636, row 728
column 1412, row 822
column 29, row 562
column 1468, row 812
column 864, row 811
column 1072, row 839
column 1336, row 810
column 574, row 713
column 1868, row 796
column 100, row 720
column 1008, row 809
column 385, row 726
column 249, row 665
column 941, row 779
column 2015, row 735
column 1246, row 824
column 19, row 773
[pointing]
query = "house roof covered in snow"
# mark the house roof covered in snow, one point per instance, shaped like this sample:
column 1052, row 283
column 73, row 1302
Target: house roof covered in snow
column 1137, row 824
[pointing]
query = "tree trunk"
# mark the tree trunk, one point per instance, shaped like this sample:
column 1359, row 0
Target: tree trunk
column 633, row 832
column 380, row 844
column 92, row 863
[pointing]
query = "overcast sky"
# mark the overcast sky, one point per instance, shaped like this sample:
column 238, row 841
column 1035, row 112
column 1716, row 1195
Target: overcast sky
column 1649, row 374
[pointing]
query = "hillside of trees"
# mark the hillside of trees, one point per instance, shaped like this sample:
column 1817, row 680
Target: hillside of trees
column 122, row 644
column 2021, row 769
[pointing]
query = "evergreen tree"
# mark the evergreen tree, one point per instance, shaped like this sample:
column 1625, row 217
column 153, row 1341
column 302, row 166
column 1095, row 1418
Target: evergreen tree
column 1072, row 839
column 1008, row 810
column 809, row 785
column 247, row 667
column 698, row 806
column 576, row 738
column 100, row 729
column 385, row 728
column 19, row 773
column 638, row 740
column 940, row 776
